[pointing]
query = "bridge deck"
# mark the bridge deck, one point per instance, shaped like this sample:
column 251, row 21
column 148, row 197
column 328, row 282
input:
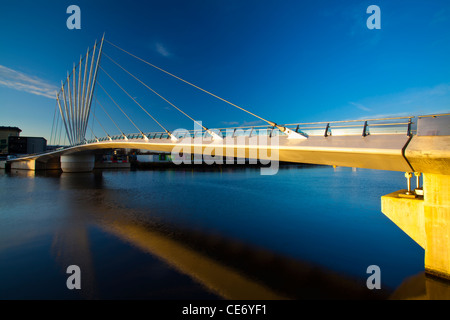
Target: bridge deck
column 382, row 152
column 396, row 150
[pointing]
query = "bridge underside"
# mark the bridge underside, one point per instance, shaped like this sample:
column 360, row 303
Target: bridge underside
column 383, row 152
column 392, row 152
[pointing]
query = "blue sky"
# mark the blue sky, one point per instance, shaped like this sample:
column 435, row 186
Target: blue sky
column 287, row 61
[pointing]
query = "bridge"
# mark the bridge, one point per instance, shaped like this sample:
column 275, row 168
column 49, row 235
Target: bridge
column 416, row 145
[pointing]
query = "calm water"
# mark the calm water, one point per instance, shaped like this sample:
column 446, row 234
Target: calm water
column 307, row 232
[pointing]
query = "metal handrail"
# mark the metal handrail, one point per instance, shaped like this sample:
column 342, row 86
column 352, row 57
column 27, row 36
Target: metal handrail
column 255, row 130
column 359, row 120
column 434, row 115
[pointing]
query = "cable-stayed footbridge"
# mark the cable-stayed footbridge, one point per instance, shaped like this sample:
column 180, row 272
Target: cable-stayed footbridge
column 414, row 145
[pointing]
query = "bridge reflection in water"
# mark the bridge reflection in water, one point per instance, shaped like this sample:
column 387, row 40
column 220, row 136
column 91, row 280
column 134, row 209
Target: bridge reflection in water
column 229, row 269
column 225, row 267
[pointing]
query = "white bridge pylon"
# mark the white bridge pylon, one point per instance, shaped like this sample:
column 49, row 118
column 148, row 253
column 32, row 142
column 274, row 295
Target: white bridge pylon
column 75, row 97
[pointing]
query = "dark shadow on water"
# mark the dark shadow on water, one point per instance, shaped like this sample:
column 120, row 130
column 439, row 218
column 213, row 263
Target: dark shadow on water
column 226, row 267
column 281, row 277
column 217, row 167
column 423, row 287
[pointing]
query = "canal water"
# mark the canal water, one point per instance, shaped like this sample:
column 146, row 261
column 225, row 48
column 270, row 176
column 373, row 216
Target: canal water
column 202, row 233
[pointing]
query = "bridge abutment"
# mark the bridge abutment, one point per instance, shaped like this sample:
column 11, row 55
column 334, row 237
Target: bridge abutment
column 51, row 164
column 426, row 220
column 77, row 163
column 24, row 165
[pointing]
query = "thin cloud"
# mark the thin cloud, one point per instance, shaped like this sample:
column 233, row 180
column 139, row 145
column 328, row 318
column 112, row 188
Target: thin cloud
column 230, row 123
column 360, row 106
column 22, row 82
column 414, row 101
column 162, row 50
column 243, row 124
column 252, row 123
column 440, row 17
column 387, row 115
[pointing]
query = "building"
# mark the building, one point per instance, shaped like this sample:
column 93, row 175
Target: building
column 5, row 133
column 158, row 157
column 26, row 145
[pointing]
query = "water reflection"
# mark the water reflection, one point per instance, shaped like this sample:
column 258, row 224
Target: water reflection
column 90, row 215
column 422, row 287
column 71, row 244
column 228, row 268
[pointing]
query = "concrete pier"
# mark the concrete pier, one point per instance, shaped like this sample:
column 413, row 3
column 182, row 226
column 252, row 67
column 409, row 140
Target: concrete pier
column 77, row 163
column 34, row 164
column 426, row 220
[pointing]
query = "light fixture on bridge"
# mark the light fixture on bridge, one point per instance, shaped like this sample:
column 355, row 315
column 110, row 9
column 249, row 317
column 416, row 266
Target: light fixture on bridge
column 172, row 137
column 290, row 133
column 215, row 136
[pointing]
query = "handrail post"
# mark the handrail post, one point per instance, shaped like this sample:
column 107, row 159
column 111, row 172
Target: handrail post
column 271, row 131
column 365, row 132
column 408, row 133
column 327, row 129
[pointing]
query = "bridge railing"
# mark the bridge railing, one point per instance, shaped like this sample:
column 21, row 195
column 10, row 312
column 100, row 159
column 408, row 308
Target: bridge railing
column 362, row 127
column 433, row 125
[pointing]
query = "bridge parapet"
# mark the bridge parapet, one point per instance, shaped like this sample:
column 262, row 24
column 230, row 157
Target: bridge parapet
column 361, row 127
column 429, row 150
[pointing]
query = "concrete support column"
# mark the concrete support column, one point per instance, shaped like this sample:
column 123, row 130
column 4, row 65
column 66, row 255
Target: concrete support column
column 426, row 220
column 437, row 224
column 24, row 165
column 77, row 163
column 50, row 164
